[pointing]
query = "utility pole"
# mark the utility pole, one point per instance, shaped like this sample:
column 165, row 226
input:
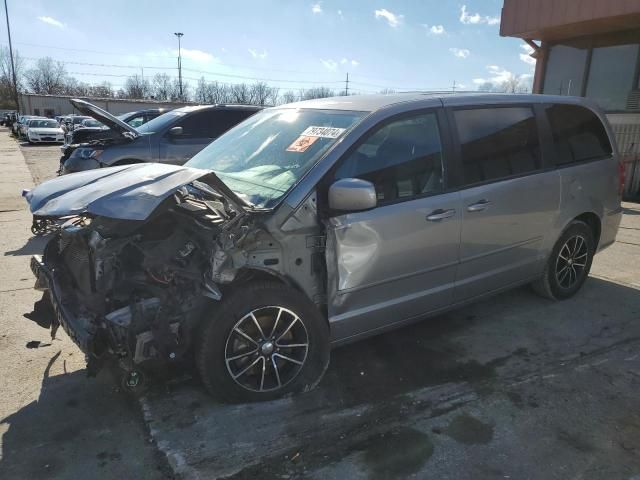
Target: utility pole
column 346, row 88
column 13, row 68
column 179, row 35
column 454, row 87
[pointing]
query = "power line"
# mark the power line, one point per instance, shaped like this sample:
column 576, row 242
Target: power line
column 107, row 65
column 248, row 67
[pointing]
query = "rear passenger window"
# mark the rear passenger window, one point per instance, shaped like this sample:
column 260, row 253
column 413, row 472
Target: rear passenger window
column 403, row 159
column 578, row 134
column 497, row 143
column 212, row 123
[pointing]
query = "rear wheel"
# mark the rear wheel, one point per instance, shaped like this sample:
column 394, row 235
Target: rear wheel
column 569, row 263
column 266, row 340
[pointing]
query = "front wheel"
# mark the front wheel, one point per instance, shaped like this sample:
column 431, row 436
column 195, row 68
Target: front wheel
column 266, row 340
column 569, row 263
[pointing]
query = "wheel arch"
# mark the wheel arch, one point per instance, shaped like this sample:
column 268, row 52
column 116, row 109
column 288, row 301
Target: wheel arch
column 594, row 223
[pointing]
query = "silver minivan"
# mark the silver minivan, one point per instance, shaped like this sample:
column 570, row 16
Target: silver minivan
column 323, row 222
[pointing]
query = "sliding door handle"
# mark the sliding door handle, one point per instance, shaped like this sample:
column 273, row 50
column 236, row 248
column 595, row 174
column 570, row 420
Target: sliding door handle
column 479, row 206
column 440, row 214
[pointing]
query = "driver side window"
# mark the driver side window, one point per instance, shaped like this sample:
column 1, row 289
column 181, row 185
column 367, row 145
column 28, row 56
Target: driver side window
column 402, row 158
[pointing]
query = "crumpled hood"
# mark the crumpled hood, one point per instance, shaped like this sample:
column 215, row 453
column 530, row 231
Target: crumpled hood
column 128, row 192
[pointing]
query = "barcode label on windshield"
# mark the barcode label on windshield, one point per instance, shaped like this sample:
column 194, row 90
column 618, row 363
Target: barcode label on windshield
column 322, row 132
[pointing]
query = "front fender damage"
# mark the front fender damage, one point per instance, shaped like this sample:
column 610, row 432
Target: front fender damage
column 136, row 290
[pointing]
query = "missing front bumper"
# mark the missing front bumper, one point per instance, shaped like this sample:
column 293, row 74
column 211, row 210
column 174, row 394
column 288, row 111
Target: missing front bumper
column 73, row 325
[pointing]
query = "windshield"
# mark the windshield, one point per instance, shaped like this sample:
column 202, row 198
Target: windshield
column 43, row 124
column 261, row 158
column 159, row 123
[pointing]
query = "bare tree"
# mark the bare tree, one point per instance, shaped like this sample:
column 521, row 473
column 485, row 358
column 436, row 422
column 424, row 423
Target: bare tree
column 202, row 91
column 7, row 99
column 240, row 93
column 162, row 86
column 137, row 86
column 263, row 94
column 288, row 97
column 513, row 84
column 48, row 77
column 316, row 92
column 219, row 93
column 104, row 90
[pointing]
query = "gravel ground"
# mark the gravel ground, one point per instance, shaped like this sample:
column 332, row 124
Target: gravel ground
column 512, row 387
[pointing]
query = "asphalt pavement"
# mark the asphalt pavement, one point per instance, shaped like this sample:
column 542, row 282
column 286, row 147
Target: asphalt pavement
column 512, row 387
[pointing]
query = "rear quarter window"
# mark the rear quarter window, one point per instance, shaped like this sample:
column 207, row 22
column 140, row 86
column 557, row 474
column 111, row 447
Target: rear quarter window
column 497, row 143
column 578, row 134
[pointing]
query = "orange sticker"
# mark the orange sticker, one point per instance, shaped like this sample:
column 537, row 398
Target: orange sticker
column 301, row 143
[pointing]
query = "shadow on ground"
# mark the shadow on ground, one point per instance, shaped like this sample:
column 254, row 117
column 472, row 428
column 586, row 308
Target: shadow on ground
column 386, row 384
column 78, row 428
column 33, row 246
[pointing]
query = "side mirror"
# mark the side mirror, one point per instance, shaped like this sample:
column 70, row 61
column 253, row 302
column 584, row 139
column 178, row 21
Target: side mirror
column 175, row 131
column 352, row 194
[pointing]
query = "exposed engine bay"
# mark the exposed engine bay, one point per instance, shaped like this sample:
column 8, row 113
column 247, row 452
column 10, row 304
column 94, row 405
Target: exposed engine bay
column 136, row 289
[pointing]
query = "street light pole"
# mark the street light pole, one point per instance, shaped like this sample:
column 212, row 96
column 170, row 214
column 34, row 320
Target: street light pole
column 13, row 68
column 179, row 35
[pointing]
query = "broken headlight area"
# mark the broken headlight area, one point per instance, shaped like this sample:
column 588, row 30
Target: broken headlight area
column 134, row 290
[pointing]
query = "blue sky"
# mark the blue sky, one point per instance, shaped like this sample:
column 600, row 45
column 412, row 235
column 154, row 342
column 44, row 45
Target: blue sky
column 397, row 44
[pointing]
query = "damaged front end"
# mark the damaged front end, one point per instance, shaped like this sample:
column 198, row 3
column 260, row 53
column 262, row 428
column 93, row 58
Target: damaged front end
column 135, row 290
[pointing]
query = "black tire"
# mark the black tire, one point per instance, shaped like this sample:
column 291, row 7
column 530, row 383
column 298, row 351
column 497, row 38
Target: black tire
column 558, row 282
column 219, row 340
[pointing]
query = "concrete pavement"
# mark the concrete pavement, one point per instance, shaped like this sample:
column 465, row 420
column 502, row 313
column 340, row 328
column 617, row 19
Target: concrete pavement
column 512, row 387
column 54, row 422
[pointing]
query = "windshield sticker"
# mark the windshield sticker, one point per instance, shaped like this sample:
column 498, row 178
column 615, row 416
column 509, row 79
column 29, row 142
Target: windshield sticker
column 301, row 143
column 323, row 132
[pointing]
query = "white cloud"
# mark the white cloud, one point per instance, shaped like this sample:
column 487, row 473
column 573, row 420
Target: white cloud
column 330, row 65
column 52, row 21
column 475, row 18
column 256, row 54
column 394, row 20
column 526, row 57
column 196, row 55
column 460, row 52
column 434, row 29
column 316, row 8
column 497, row 76
column 340, row 13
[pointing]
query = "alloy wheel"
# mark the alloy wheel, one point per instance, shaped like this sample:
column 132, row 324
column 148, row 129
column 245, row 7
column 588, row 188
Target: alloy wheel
column 572, row 261
column 266, row 349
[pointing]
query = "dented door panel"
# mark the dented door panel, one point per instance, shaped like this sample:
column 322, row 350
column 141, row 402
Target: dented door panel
column 391, row 264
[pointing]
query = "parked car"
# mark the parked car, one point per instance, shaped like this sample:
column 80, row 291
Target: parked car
column 323, row 222
column 70, row 122
column 44, row 131
column 20, row 127
column 134, row 119
column 5, row 117
column 173, row 138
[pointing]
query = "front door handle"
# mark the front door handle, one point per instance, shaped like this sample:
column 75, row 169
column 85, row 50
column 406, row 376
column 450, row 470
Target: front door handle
column 440, row 214
column 479, row 206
